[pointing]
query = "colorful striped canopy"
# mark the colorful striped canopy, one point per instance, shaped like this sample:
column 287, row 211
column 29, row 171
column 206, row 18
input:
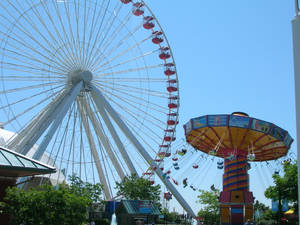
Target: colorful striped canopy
column 227, row 136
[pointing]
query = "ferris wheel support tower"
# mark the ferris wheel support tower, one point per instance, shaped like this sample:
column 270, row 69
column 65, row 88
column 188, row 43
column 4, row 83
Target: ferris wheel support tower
column 296, row 42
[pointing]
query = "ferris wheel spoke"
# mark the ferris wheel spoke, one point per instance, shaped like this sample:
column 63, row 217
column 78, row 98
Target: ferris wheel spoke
column 133, row 89
column 110, row 79
column 35, row 122
column 128, row 61
column 30, row 87
column 93, row 48
column 31, row 97
column 72, row 142
column 139, row 100
column 14, row 78
column 65, row 51
column 89, row 136
column 59, row 117
column 116, row 33
column 29, row 34
column 59, row 41
column 135, row 108
column 98, row 58
column 121, row 148
column 136, row 45
column 139, row 122
column 24, row 112
column 130, row 70
column 147, row 132
column 99, row 127
column 114, row 115
column 92, row 28
column 107, row 27
column 65, row 32
column 71, row 33
column 110, row 23
column 103, row 138
column 29, row 59
column 62, row 142
column 24, row 68
column 31, row 48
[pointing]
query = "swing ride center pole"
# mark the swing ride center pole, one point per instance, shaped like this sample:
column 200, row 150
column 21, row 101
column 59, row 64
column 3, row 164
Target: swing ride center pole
column 296, row 46
column 236, row 202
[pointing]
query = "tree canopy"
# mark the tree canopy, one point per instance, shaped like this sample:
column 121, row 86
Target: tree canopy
column 210, row 201
column 138, row 188
column 286, row 186
column 47, row 205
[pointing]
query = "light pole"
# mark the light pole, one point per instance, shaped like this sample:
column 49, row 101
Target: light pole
column 296, row 44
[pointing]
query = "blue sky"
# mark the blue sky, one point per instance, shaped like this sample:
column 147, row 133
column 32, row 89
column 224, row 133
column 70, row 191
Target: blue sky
column 232, row 56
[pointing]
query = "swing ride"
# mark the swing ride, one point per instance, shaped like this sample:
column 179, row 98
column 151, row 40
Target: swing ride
column 237, row 139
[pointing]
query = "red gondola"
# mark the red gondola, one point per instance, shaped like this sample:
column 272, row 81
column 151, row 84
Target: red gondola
column 168, row 172
column 168, row 154
column 195, row 166
column 148, row 22
column 173, row 102
column 169, row 69
column 169, row 136
column 164, row 53
column 172, row 85
column 157, row 37
column 157, row 160
column 174, row 158
column 172, row 119
column 161, row 154
column 147, row 173
column 138, row 8
column 125, row 1
column 163, row 150
column 161, row 166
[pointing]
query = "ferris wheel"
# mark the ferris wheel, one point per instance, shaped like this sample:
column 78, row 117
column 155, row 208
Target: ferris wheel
column 90, row 83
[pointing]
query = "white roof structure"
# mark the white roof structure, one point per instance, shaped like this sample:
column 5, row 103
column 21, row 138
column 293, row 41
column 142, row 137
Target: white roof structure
column 55, row 178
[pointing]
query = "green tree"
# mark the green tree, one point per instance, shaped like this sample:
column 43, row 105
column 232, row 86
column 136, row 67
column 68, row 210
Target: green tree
column 45, row 206
column 93, row 192
column 286, row 187
column 49, row 205
column 138, row 188
column 210, row 200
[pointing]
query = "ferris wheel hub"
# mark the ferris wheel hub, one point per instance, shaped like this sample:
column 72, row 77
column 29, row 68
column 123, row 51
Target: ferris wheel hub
column 80, row 75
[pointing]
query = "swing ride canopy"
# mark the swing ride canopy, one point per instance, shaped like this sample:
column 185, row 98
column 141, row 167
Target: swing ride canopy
column 237, row 134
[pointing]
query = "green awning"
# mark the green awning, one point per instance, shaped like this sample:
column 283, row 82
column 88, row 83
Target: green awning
column 13, row 164
column 140, row 207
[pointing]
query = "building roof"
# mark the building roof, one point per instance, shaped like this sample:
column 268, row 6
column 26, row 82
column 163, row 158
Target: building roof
column 13, row 164
column 140, row 207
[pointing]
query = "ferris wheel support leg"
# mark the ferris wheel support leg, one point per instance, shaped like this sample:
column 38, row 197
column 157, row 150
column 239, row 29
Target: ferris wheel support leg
column 24, row 141
column 296, row 43
column 95, row 155
column 100, row 133
column 99, row 103
column 97, row 93
column 68, row 100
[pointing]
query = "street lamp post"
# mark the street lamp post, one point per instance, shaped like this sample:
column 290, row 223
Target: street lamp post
column 296, row 46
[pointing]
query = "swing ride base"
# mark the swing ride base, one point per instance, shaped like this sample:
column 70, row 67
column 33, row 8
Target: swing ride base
column 236, row 207
column 236, row 201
